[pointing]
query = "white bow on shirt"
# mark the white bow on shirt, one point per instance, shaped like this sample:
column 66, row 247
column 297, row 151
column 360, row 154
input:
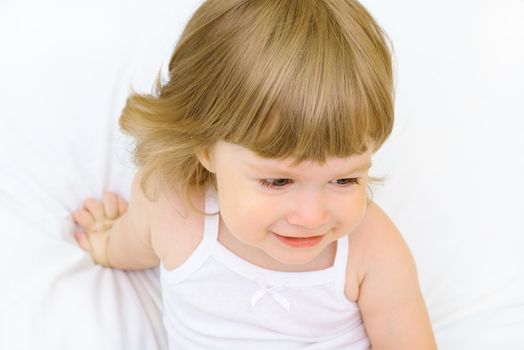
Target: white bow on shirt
column 273, row 291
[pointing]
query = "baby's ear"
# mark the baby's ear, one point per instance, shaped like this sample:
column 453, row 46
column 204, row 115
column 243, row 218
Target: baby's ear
column 203, row 156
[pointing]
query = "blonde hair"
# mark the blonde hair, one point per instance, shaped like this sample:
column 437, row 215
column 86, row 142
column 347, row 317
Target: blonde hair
column 307, row 79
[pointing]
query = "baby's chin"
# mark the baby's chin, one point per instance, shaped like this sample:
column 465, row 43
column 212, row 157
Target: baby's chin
column 298, row 259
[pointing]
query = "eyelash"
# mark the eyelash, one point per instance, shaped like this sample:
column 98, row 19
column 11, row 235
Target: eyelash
column 266, row 184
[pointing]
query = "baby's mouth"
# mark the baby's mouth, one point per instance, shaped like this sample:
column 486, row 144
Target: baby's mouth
column 299, row 242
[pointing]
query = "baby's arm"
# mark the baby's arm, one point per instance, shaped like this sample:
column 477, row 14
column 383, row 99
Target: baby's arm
column 116, row 234
column 390, row 299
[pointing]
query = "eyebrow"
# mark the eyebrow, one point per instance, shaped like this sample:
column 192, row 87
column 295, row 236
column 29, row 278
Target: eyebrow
column 286, row 172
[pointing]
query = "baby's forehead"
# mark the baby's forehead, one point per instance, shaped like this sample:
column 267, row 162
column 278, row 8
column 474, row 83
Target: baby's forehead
column 252, row 159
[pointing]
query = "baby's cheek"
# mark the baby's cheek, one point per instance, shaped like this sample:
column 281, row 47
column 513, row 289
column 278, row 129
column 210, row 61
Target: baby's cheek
column 249, row 221
column 250, row 214
column 358, row 215
column 234, row 216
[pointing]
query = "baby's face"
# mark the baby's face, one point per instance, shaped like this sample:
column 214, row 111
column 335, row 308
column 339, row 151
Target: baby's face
column 322, row 203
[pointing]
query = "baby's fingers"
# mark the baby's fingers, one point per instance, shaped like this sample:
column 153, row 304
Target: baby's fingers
column 122, row 206
column 82, row 241
column 84, row 219
column 111, row 205
column 114, row 205
column 95, row 208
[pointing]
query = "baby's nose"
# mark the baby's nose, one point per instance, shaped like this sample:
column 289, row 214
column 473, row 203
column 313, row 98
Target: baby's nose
column 311, row 214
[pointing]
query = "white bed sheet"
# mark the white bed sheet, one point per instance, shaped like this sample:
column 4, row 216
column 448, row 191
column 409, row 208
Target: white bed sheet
column 455, row 164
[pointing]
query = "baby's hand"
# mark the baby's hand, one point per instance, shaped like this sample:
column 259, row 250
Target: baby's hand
column 96, row 219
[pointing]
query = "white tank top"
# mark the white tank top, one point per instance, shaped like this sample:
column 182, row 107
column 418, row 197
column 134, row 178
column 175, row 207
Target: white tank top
column 216, row 300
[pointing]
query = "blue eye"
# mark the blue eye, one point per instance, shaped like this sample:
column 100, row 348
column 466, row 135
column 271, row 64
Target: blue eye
column 349, row 181
column 274, row 183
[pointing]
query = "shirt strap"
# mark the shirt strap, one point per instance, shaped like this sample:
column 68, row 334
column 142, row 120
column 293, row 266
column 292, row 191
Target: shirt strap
column 340, row 265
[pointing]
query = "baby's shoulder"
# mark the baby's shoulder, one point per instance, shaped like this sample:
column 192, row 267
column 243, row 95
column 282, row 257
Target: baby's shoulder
column 374, row 243
column 176, row 228
column 375, row 231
